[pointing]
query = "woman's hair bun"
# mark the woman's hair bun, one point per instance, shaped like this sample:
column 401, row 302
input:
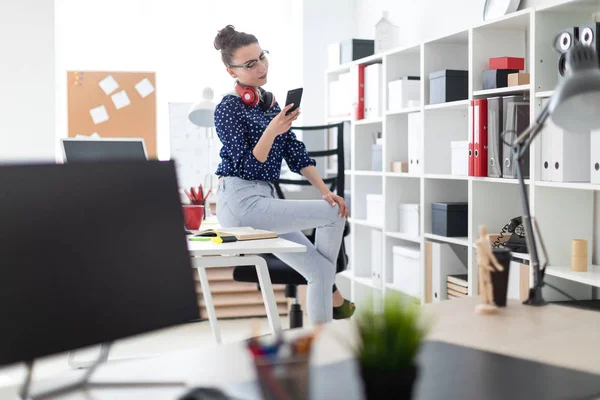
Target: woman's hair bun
column 225, row 36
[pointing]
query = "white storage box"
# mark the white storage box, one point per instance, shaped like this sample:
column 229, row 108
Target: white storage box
column 376, row 257
column 401, row 91
column 460, row 158
column 408, row 219
column 407, row 261
column 375, row 209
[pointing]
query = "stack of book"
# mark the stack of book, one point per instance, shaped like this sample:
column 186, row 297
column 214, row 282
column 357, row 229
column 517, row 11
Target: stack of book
column 458, row 286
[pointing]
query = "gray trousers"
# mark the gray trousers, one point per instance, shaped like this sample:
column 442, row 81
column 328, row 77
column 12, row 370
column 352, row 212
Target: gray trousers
column 253, row 203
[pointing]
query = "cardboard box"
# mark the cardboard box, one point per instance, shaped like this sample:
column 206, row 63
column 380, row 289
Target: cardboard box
column 517, row 79
column 399, row 166
column 517, row 63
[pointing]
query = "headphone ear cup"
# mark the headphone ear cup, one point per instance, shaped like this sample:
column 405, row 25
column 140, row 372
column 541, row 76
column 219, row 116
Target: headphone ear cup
column 248, row 95
column 268, row 100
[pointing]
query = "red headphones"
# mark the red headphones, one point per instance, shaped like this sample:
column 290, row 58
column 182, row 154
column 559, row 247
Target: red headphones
column 251, row 96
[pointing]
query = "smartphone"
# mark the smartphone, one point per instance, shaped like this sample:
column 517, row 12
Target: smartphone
column 293, row 96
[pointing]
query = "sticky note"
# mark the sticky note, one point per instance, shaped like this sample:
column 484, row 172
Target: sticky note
column 99, row 114
column 144, row 87
column 108, row 84
column 120, row 99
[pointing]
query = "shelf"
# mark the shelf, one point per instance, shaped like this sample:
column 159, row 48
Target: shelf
column 403, row 111
column 367, row 173
column 361, row 122
column 364, row 222
column 513, row 181
column 373, row 59
column 504, row 90
column 569, row 185
column 391, row 286
column 453, row 105
column 518, row 20
column 462, row 241
column 542, row 95
column 338, row 69
column 402, row 175
column 445, row 176
column 367, row 282
column 404, row 236
column 591, row 277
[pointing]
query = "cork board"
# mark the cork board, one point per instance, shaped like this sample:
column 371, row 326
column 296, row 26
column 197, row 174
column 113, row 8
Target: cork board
column 113, row 104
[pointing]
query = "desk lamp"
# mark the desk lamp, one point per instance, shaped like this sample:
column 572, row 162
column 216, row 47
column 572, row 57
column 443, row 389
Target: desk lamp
column 574, row 107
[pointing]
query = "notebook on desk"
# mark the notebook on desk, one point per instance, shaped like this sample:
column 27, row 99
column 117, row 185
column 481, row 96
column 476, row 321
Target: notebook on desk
column 238, row 233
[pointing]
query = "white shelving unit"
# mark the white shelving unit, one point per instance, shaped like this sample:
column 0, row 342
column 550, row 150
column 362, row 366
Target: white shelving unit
column 564, row 210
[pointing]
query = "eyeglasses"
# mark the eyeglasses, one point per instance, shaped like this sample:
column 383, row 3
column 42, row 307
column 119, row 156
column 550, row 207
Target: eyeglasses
column 252, row 64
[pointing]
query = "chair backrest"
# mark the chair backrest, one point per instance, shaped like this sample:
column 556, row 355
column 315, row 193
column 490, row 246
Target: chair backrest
column 336, row 182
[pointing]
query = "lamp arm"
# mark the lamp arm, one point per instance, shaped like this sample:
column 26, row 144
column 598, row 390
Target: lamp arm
column 519, row 147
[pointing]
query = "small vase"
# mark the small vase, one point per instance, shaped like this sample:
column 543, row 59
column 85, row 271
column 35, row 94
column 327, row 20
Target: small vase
column 388, row 384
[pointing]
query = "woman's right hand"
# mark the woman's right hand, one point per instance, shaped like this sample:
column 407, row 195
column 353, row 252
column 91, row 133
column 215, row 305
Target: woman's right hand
column 282, row 123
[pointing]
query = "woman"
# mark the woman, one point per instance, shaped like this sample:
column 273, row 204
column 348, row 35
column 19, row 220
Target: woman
column 256, row 137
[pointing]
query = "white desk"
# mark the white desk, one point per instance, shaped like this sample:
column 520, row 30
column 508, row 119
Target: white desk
column 208, row 254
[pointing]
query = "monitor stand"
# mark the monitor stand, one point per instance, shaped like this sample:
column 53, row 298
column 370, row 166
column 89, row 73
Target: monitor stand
column 25, row 392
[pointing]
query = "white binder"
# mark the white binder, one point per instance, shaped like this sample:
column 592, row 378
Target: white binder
column 376, row 259
column 444, row 262
column 595, row 157
column 415, row 132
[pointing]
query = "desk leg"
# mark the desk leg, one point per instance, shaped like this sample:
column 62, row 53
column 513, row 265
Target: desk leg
column 264, row 280
column 210, row 307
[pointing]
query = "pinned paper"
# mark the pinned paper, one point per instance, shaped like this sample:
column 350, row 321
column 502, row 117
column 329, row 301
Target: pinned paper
column 120, row 99
column 144, row 87
column 99, row 114
column 94, row 135
column 108, row 85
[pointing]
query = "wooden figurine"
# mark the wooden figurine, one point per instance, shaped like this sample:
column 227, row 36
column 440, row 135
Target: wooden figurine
column 487, row 263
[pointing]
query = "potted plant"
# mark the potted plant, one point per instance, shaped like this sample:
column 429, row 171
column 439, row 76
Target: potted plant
column 388, row 343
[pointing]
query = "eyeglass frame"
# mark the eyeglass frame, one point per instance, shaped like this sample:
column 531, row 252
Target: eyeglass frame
column 263, row 54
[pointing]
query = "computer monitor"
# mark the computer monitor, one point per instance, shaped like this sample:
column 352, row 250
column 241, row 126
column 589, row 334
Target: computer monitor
column 114, row 149
column 91, row 253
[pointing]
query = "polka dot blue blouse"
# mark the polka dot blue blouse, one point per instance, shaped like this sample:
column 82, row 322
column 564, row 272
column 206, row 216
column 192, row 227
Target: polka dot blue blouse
column 240, row 127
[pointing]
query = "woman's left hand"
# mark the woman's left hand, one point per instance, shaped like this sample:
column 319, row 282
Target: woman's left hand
column 334, row 199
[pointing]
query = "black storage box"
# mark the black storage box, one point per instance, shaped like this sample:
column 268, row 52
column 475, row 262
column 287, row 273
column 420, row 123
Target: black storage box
column 449, row 219
column 497, row 78
column 448, row 85
column 354, row 49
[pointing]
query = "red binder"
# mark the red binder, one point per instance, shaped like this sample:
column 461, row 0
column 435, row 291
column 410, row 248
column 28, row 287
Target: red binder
column 358, row 92
column 471, row 149
column 480, row 137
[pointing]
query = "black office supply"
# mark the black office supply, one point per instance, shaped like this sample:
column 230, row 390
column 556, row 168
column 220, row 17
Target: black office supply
column 516, row 120
column 497, row 78
column 91, row 253
column 564, row 41
column 113, row 149
column 449, row 219
column 354, row 49
column 448, row 85
column 202, row 393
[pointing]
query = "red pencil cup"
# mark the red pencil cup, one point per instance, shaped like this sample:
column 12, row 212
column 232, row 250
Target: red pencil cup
column 192, row 216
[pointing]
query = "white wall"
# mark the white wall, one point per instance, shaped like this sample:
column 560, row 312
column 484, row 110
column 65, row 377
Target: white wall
column 424, row 19
column 27, row 91
column 175, row 39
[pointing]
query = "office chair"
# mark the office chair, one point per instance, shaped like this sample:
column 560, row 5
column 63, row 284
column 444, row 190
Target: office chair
column 280, row 272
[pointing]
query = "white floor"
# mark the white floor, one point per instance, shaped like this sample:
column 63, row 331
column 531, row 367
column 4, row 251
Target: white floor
column 196, row 335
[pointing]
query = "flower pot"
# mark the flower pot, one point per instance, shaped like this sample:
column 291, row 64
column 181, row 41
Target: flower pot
column 388, row 384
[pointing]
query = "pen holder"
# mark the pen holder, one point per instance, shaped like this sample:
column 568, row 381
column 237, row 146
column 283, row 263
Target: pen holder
column 283, row 378
column 192, row 216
